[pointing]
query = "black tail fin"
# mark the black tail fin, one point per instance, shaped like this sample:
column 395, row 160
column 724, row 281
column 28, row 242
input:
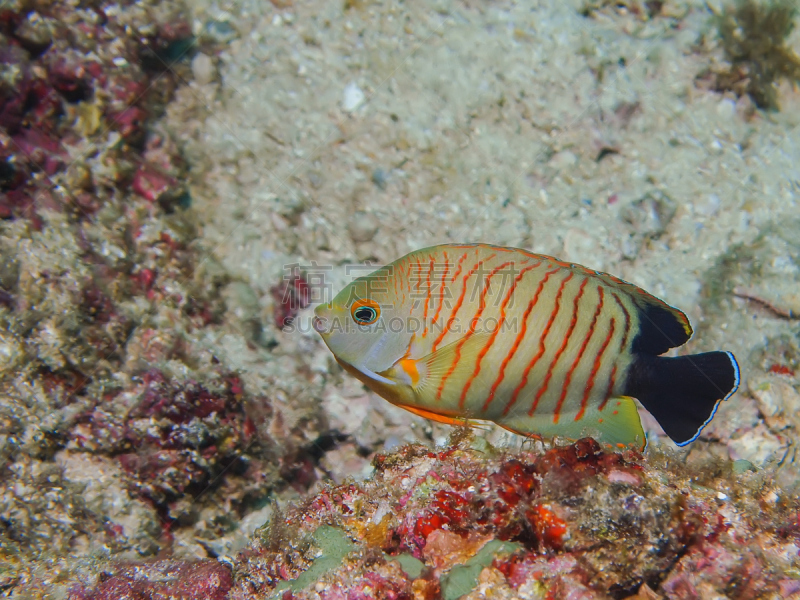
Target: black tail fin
column 683, row 393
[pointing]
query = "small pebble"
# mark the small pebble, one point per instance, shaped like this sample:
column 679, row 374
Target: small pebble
column 621, row 476
column 220, row 30
column 740, row 466
column 650, row 215
column 362, row 227
column 353, row 97
column 203, row 69
column 726, row 109
column 563, row 160
column 379, row 178
column 711, row 206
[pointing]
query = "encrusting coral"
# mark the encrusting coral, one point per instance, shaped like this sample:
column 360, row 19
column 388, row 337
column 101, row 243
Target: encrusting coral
column 470, row 520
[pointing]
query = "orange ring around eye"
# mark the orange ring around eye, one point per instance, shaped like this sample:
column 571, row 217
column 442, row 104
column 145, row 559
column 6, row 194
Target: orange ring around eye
column 365, row 304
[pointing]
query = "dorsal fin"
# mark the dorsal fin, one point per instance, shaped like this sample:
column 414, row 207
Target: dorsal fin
column 661, row 326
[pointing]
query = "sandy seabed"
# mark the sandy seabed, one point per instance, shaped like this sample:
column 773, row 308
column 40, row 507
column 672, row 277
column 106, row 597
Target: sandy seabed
column 343, row 134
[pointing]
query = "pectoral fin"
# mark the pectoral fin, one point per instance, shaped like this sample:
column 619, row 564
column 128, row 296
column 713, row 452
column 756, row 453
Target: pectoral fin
column 424, row 376
column 451, row 363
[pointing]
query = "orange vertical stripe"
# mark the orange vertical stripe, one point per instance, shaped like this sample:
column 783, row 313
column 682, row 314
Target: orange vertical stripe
column 589, row 334
column 573, row 322
column 441, row 290
column 610, row 389
column 542, row 345
column 500, row 324
column 458, row 269
column 518, row 340
column 627, row 322
column 597, row 360
column 460, row 299
column 477, row 316
column 622, row 345
column 427, row 297
column 450, row 322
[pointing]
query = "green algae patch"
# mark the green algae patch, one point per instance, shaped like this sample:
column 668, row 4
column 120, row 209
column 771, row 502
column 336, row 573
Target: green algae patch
column 482, row 445
column 334, row 545
column 461, row 580
column 742, row 466
column 412, row 566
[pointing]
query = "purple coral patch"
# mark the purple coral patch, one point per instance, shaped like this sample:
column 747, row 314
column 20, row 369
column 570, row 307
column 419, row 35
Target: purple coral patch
column 180, row 580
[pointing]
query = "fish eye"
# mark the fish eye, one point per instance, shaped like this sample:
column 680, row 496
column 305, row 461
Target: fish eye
column 365, row 312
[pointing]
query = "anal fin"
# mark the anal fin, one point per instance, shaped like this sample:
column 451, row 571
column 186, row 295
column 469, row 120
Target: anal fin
column 618, row 425
column 436, row 416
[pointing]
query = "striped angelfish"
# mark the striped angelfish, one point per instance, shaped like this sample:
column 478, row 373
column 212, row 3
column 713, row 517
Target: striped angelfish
column 537, row 345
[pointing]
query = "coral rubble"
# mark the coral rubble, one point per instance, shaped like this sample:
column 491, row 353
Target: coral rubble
column 571, row 522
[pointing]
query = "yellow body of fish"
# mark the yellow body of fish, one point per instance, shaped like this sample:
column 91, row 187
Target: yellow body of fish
column 536, row 345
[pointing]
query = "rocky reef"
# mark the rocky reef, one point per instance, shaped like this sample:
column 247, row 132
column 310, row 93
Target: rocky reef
column 474, row 521
column 112, row 408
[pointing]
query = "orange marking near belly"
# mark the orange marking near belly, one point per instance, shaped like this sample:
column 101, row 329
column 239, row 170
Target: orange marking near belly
column 518, row 341
column 589, row 334
column 409, row 366
column 435, row 416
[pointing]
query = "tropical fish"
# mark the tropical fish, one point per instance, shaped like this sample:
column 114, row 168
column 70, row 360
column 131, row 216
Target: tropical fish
column 539, row 346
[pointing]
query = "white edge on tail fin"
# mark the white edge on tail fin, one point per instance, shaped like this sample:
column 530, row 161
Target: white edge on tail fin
column 735, row 387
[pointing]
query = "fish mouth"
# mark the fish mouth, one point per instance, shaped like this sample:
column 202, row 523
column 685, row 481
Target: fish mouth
column 322, row 319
